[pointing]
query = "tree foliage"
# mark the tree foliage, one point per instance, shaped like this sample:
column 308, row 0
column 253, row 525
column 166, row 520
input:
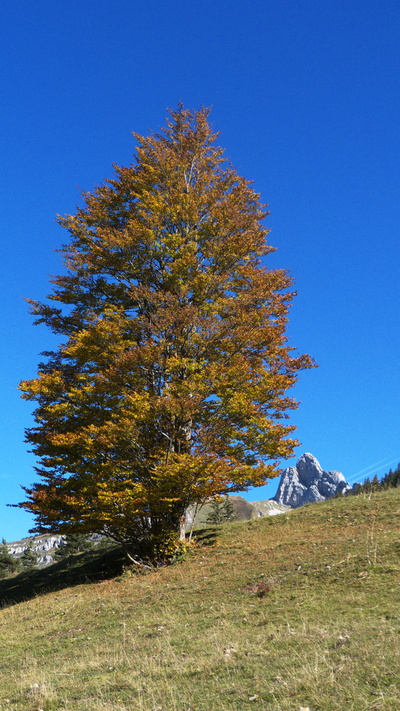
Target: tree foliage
column 74, row 543
column 391, row 479
column 221, row 511
column 388, row 481
column 170, row 385
column 8, row 564
column 29, row 558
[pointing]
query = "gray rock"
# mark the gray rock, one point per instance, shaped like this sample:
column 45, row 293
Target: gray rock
column 46, row 542
column 269, row 507
column 44, row 545
column 307, row 483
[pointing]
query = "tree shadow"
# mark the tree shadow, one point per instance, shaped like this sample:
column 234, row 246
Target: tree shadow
column 206, row 536
column 83, row 568
column 90, row 567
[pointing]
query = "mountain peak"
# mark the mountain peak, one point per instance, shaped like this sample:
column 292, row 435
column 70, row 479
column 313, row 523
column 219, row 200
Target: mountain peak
column 307, row 482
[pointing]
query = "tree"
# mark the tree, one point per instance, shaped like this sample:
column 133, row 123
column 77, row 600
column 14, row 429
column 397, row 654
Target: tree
column 170, row 385
column 29, row 558
column 222, row 510
column 8, row 564
column 375, row 484
column 74, row 543
column 391, row 479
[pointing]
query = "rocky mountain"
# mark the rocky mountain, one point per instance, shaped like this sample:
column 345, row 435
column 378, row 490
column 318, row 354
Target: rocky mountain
column 44, row 546
column 307, row 483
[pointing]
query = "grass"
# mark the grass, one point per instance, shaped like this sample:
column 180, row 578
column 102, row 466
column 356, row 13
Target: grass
column 294, row 611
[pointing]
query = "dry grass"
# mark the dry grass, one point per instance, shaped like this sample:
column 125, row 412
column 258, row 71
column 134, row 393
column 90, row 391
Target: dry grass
column 199, row 636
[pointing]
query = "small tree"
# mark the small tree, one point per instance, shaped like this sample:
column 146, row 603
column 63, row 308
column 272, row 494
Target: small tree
column 375, row 484
column 391, row 479
column 222, row 511
column 74, row 543
column 8, row 564
column 29, row 558
column 170, row 383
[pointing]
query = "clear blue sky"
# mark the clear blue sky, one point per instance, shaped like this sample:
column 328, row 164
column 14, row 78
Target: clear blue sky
column 306, row 95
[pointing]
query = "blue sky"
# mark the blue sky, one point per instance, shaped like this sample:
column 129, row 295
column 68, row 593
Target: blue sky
column 306, row 96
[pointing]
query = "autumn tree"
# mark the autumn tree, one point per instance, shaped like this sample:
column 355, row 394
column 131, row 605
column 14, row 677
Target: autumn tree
column 170, row 384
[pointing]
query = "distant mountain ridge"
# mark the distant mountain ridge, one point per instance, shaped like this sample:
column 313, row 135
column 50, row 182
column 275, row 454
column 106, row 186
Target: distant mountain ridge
column 243, row 511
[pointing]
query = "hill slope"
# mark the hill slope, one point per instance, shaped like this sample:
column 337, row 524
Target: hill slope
column 278, row 613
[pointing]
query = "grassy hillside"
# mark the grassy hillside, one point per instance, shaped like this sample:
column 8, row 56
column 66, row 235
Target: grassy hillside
column 297, row 610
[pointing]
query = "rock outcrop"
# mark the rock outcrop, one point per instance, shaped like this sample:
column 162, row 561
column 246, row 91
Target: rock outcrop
column 307, row 483
column 44, row 546
column 269, row 507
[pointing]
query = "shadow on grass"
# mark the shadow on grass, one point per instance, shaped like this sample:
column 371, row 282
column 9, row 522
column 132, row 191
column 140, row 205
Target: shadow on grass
column 206, row 536
column 88, row 567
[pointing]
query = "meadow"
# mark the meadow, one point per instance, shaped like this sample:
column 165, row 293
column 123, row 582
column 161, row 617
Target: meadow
column 296, row 611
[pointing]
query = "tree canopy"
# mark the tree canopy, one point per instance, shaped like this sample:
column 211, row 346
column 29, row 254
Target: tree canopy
column 170, row 384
